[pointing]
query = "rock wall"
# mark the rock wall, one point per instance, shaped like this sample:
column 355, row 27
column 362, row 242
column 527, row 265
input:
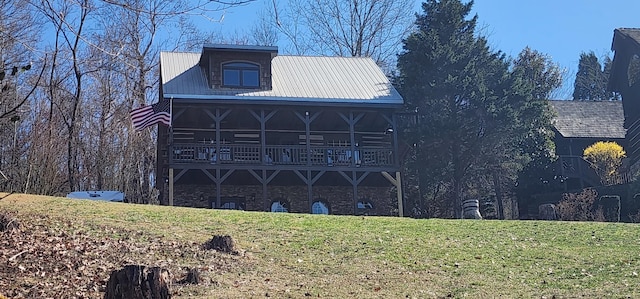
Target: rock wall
column 250, row 198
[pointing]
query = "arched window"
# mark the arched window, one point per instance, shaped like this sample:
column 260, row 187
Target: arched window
column 241, row 74
column 320, row 207
column 364, row 207
column 279, row 206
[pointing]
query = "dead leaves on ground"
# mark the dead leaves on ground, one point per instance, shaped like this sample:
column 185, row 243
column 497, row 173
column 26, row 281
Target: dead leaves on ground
column 60, row 258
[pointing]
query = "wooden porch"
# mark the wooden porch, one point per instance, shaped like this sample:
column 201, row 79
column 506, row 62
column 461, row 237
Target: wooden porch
column 276, row 146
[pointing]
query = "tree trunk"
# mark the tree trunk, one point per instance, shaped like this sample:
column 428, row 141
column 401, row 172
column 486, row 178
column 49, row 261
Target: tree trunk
column 498, row 190
column 138, row 282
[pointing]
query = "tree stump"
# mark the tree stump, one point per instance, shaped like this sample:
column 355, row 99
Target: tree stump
column 221, row 244
column 138, row 282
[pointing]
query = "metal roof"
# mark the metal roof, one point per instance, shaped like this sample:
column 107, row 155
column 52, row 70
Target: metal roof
column 295, row 78
column 589, row 119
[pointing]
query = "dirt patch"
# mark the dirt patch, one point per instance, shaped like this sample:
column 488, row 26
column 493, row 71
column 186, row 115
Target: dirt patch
column 224, row 244
column 51, row 257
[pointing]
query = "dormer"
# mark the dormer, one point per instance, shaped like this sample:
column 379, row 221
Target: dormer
column 234, row 67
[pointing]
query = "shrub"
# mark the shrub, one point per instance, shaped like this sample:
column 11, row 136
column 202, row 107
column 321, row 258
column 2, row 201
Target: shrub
column 579, row 206
column 606, row 159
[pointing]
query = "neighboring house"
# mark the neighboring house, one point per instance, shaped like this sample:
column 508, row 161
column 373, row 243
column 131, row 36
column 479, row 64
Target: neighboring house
column 259, row 131
column 579, row 124
column 625, row 78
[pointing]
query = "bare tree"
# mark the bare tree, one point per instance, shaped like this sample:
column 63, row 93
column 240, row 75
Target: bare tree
column 372, row 28
column 134, row 34
column 97, row 61
column 262, row 33
column 18, row 32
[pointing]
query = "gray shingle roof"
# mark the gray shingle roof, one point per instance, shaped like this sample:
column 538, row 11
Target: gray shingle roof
column 589, row 119
column 633, row 34
column 295, row 78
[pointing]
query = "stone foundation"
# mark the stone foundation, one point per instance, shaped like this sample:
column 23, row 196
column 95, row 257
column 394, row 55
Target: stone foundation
column 339, row 198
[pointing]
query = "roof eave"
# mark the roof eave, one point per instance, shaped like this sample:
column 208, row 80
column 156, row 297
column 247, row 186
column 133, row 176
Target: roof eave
column 263, row 100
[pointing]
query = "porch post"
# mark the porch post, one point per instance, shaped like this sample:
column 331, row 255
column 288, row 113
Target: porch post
column 354, row 183
column 170, row 186
column 398, row 183
column 264, row 187
column 309, row 187
column 352, row 140
column 307, row 129
column 399, row 190
column 218, row 186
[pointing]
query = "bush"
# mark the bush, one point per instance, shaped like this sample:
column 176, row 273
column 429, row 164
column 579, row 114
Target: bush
column 579, row 206
column 606, row 159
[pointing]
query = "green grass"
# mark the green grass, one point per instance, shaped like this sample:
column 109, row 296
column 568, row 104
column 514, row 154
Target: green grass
column 297, row 255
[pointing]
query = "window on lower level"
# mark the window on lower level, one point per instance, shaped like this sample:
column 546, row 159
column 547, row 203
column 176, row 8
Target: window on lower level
column 320, row 207
column 279, row 206
column 241, row 74
column 364, row 207
column 229, row 206
column 231, row 203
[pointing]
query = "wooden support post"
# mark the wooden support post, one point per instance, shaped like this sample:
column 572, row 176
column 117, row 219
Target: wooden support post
column 170, row 186
column 399, row 189
column 398, row 183
column 218, row 187
column 354, row 185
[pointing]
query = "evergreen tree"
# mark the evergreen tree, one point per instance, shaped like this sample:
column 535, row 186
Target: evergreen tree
column 592, row 79
column 449, row 76
column 474, row 112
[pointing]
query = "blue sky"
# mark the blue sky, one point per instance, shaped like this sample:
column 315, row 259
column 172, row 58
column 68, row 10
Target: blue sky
column 560, row 28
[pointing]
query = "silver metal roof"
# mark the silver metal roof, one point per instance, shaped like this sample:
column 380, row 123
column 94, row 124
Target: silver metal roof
column 295, row 78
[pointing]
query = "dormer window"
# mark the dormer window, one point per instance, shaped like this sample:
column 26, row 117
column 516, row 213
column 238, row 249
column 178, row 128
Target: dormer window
column 240, row 74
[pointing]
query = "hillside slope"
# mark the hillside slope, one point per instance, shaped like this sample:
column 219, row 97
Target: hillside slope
column 62, row 248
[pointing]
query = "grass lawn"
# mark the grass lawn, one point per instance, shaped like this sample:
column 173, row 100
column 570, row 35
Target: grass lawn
column 67, row 247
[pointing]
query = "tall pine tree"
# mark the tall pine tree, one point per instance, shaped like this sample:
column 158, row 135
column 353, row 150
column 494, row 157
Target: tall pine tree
column 591, row 80
column 472, row 109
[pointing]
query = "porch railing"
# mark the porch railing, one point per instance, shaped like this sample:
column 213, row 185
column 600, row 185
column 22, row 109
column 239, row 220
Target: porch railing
column 281, row 155
column 578, row 167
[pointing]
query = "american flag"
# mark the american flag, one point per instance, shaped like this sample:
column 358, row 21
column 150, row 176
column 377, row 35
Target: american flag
column 159, row 112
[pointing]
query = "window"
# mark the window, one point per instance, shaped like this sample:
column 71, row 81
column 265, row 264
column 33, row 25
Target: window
column 319, row 207
column 231, row 203
column 364, row 207
column 241, row 74
column 228, row 206
column 279, row 207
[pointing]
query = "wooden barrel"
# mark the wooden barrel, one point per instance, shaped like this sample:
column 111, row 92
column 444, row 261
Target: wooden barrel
column 471, row 209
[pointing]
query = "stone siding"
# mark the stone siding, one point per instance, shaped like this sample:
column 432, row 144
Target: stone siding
column 339, row 198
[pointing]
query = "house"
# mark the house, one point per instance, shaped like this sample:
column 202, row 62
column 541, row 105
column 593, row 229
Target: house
column 259, row 131
column 624, row 78
column 577, row 125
